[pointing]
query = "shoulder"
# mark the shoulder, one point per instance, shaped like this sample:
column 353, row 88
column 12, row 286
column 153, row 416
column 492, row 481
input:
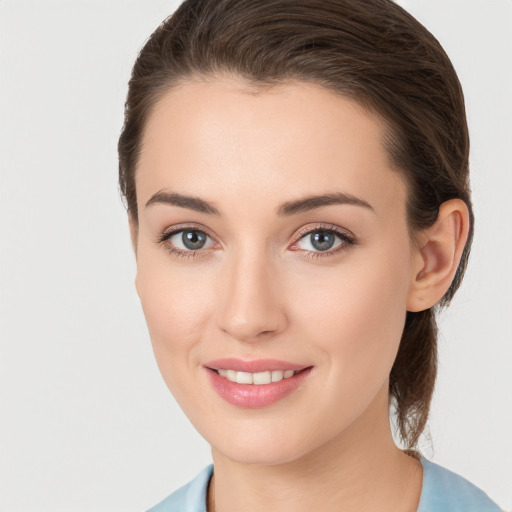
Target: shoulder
column 191, row 497
column 445, row 491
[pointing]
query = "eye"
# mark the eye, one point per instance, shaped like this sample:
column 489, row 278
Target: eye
column 188, row 240
column 319, row 241
column 323, row 240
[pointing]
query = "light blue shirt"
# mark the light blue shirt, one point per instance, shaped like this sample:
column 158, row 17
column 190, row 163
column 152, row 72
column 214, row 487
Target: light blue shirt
column 442, row 491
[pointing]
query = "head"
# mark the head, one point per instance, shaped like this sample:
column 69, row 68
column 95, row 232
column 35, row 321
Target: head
column 392, row 81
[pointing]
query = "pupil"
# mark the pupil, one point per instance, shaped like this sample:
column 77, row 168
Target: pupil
column 322, row 241
column 193, row 239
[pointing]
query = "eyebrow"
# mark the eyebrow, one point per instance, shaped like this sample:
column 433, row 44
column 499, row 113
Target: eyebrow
column 190, row 202
column 312, row 202
column 286, row 209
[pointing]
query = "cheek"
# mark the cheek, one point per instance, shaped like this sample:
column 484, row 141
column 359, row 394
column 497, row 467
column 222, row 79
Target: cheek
column 176, row 307
column 356, row 317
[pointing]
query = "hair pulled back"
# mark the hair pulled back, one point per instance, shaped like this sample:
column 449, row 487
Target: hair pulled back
column 371, row 51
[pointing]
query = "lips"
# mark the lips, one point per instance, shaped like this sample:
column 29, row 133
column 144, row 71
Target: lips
column 255, row 384
column 258, row 365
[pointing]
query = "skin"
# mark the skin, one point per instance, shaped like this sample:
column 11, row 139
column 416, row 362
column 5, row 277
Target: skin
column 258, row 290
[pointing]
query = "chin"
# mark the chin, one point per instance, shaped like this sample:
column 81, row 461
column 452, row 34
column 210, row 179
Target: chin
column 263, row 444
column 260, row 454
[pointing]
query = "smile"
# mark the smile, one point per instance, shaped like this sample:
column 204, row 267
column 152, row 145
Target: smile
column 255, row 384
column 265, row 377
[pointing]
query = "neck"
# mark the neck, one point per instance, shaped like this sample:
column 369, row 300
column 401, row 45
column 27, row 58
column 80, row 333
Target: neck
column 360, row 470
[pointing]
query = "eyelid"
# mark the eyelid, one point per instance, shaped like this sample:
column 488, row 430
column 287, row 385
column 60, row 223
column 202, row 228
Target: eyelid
column 164, row 237
column 172, row 230
column 347, row 237
column 306, row 230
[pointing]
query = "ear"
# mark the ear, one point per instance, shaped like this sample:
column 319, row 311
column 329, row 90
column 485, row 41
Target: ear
column 134, row 233
column 439, row 250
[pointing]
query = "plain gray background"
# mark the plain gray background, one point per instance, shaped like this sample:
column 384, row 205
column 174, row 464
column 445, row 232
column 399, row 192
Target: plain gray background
column 86, row 423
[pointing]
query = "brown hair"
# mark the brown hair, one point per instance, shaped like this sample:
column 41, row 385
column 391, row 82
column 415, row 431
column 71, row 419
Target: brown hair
column 371, row 51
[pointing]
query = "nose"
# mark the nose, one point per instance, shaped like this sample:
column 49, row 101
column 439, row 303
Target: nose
column 251, row 305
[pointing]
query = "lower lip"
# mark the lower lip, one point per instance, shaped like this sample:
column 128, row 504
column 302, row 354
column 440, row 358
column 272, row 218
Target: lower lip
column 252, row 396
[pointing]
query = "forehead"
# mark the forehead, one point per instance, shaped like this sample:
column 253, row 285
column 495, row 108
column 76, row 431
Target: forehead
column 210, row 137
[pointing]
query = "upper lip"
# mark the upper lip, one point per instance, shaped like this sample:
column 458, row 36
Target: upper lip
column 254, row 366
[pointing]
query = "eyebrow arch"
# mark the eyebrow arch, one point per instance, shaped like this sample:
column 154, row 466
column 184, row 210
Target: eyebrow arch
column 311, row 202
column 190, row 202
column 289, row 208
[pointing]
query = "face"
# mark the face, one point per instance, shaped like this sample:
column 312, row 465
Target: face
column 274, row 264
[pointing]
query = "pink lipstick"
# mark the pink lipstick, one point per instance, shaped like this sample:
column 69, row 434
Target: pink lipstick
column 255, row 384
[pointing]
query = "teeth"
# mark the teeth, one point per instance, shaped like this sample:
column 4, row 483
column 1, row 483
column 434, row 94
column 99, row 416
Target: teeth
column 244, row 378
column 277, row 375
column 262, row 378
column 255, row 378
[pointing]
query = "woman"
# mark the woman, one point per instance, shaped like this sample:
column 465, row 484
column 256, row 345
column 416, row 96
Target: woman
column 296, row 177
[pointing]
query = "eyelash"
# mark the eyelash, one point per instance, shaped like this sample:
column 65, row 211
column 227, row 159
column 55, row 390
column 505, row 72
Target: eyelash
column 347, row 240
column 191, row 254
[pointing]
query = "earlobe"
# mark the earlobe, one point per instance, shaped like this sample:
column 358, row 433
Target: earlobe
column 439, row 252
